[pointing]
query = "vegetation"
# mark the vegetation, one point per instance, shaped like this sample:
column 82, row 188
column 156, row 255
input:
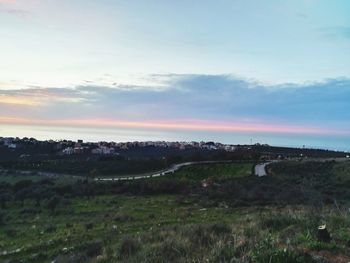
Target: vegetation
column 101, row 166
column 235, row 218
column 217, row 171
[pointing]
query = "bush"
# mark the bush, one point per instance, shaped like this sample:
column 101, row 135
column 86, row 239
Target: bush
column 30, row 211
column 317, row 245
column 205, row 235
column 123, row 218
column 71, row 258
column 226, row 253
column 172, row 250
column 268, row 252
column 219, row 229
column 53, row 203
column 50, row 229
column 277, row 221
column 89, row 226
column 11, row 232
column 2, row 217
column 94, row 249
column 129, row 247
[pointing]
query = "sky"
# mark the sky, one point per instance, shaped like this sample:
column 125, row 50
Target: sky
column 232, row 71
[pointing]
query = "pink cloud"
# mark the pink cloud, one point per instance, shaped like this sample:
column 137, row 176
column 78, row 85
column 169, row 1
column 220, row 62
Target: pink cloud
column 180, row 125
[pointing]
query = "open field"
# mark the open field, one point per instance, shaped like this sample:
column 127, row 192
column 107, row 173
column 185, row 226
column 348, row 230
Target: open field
column 191, row 230
column 175, row 219
column 219, row 171
column 13, row 178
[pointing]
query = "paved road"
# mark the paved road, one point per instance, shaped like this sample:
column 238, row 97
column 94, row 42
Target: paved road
column 168, row 171
column 260, row 169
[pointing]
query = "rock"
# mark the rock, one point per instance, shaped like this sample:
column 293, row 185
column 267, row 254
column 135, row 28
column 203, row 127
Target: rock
column 99, row 258
column 323, row 234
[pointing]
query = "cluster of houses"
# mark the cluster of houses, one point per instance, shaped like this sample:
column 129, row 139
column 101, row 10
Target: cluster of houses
column 68, row 147
column 177, row 145
column 14, row 143
column 111, row 148
column 94, row 148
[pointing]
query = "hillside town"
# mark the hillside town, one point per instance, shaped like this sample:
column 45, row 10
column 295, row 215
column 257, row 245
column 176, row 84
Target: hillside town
column 68, row 147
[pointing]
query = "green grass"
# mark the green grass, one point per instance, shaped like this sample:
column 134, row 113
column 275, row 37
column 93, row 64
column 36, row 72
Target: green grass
column 179, row 227
column 157, row 223
column 218, row 171
column 342, row 171
column 61, row 179
column 68, row 226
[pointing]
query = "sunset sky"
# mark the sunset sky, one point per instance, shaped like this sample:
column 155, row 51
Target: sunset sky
column 274, row 71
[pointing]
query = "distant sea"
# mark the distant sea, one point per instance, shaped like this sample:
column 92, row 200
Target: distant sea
column 122, row 135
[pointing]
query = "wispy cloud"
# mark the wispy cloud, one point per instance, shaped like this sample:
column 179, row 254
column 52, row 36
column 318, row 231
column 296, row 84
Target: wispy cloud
column 209, row 102
column 181, row 125
column 38, row 96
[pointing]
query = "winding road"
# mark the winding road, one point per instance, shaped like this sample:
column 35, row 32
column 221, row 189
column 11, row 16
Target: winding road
column 260, row 169
column 168, row 171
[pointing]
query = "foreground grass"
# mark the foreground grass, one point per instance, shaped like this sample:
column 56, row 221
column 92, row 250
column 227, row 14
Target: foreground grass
column 195, row 225
column 35, row 232
column 168, row 229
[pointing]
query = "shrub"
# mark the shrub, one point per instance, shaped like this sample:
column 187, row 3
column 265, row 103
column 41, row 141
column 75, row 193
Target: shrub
column 29, row 211
column 53, row 203
column 123, row 218
column 38, row 257
column 172, row 249
column 249, row 232
column 129, row 247
column 219, row 229
column 11, row 232
column 50, row 229
column 72, row 257
column 94, row 249
column 277, row 221
column 205, row 235
column 268, row 252
column 317, row 245
column 223, row 252
column 89, row 226
column 2, row 217
column 199, row 235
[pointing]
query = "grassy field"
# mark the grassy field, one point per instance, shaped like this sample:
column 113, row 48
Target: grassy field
column 106, row 218
column 61, row 179
column 191, row 226
column 218, row 171
column 145, row 226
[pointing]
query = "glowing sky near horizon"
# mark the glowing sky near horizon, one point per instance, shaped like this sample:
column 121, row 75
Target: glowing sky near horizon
column 190, row 70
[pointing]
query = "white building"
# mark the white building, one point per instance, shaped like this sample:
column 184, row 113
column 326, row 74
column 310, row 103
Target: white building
column 103, row 150
column 68, row 151
column 12, row 146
